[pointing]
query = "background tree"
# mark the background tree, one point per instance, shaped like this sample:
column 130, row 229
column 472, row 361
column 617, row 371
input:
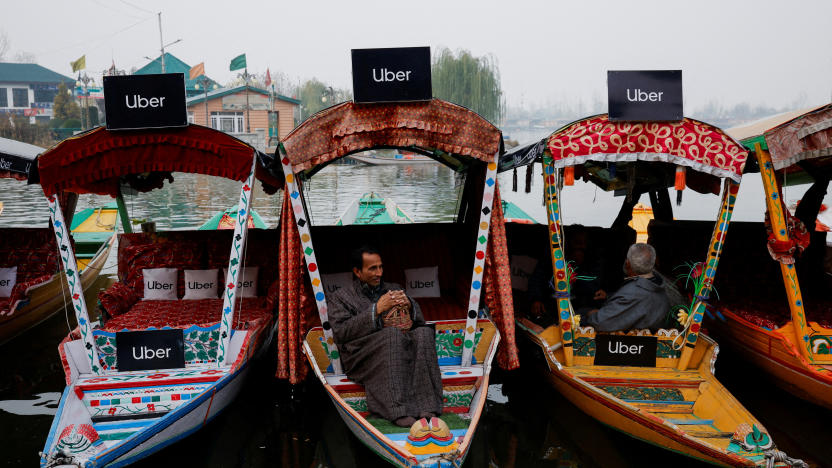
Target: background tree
column 315, row 95
column 5, row 45
column 473, row 82
column 64, row 107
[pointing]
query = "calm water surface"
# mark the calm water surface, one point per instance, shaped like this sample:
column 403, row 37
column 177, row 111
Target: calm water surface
column 271, row 424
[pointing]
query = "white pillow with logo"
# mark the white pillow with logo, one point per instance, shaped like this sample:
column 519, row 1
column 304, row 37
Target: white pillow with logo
column 8, row 278
column 522, row 267
column 422, row 282
column 335, row 281
column 201, row 284
column 246, row 281
column 160, row 284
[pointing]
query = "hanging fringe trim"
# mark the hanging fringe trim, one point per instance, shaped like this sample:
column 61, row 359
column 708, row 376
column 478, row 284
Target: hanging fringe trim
column 529, row 178
column 514, row 180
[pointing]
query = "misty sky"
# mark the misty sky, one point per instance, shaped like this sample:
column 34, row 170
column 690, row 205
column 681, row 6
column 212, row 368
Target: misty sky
column 763, row 52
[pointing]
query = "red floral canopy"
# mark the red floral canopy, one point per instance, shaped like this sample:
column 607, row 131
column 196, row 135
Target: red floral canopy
column 690, row 143
column 349, row 127
column 808, row 136
column 95, row 161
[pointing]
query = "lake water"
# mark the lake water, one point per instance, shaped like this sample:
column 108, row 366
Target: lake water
column 526, row 423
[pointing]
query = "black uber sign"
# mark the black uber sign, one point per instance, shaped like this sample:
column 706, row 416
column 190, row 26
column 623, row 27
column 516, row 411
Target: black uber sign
column 625, row 350
column 150, row 350
column 390, row 75
column 145, row 101
column 645, row 95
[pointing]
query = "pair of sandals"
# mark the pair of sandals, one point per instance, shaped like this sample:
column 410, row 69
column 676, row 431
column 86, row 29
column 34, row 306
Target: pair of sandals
column 408, row 421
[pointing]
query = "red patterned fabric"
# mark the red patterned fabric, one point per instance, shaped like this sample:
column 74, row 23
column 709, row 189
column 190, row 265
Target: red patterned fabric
column 94, row 161
column 350, row 127
column 182, row 314
column 497, row 284
column 35, row 254
column 808, row 136
column 798, row 238
column 690, row 143
column 158, row 253
column 293, row 289
column 118, row 298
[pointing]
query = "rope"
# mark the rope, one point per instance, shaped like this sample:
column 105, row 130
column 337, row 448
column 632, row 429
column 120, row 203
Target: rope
column 57, row 459
column 776, row 456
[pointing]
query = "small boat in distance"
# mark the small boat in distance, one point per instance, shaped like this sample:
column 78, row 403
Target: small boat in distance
column 404, row 157
column 514, row 214
column 372, row 208
column 227, row 218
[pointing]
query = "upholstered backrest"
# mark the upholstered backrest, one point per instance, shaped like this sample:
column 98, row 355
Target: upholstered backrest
column 32, row 250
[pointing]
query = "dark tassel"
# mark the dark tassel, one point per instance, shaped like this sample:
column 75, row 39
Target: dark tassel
column 514, row 180
column 679, row 197
column 529, row 178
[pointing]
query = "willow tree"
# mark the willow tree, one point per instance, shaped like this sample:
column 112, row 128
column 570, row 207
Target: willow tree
column 473, row 82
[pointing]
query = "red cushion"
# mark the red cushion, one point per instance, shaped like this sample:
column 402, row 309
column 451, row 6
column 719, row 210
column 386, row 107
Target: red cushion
column 158, row 253
column 118, row 299
column 183, row 314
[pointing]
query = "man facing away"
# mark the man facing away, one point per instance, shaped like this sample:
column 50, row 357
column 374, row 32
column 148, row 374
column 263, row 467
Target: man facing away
column 385, row 344
column 641, row 302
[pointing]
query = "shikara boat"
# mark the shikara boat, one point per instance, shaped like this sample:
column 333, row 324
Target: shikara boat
column 514, row 214
column 665, row 393
column 227, row 219
column 372, row 208
column 792, row 344
column 39, row 292
column 468, row 255
column 153, row 370
column 405, row 157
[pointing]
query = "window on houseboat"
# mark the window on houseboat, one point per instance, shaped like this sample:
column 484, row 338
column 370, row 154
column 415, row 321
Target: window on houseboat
column 228, row 122
column 20, row 97
column 4, row 99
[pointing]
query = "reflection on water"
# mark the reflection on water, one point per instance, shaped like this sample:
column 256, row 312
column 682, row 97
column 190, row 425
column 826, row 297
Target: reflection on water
column 44, row 403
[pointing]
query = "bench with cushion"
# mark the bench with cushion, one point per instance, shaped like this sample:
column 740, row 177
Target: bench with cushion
column 192, row 250
column 33, row 251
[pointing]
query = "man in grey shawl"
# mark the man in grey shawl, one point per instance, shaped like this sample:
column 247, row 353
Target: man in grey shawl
column 385, row 344
column 641, row 302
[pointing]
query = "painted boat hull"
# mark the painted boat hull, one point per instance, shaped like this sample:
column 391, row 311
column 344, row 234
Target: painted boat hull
column 773, row 352
column 50, row 297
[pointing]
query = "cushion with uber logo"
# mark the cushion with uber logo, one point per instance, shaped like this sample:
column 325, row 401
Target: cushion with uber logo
column 201, row 284
column 522, row 267
column 246, row 281
column 159, row 284
column 8, row 278
column 422, row 282
column 336, row 281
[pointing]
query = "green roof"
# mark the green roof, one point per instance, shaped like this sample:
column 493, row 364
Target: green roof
column 30, row 73
column 174, row 65
column 218, row 93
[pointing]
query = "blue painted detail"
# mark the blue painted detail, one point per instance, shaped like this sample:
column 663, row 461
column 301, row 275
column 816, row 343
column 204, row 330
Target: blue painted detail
column 476, row 284
column 697, row 318
column 295, row 194
column 564, row 315
column 55, row 420
column 549, row 170
column 719, row 315
column 774, row 196
column 57, row 224
column 689, row 422
column 449, row 373
column 799, row 303
column 489, row 181
column 145, row 399
column 559, row 264
column 454, row 361
column 109, row 426
column 319, row 296
column 782, row 232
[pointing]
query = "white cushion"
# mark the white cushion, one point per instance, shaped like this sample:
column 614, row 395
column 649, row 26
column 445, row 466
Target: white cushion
column 201, row 284
column 335, row 281
column 8, row 278
column 422, row 282
column 522, row 267
column 160, row 284
column 246, row 281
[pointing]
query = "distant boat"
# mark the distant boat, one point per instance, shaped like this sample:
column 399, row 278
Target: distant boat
column 225, row 220
column 398, row 158
column 513, row 214
column 372, row 208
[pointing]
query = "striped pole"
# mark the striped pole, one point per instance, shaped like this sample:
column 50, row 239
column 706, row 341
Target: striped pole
column 550, row 193
column 778, row 226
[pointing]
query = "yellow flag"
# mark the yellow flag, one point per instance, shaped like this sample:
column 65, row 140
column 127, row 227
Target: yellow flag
column 79, row 64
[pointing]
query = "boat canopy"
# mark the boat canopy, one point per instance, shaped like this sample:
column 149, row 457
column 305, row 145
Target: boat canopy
column 690, row 143
column 446, row 132
column 16, row 157
column 803, row 138
column 96, row 161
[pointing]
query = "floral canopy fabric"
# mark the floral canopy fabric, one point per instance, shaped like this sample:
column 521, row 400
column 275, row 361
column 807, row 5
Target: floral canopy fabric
column 808, row 136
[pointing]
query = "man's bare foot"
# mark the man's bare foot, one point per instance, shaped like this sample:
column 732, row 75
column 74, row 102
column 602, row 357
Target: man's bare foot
column 405, row 421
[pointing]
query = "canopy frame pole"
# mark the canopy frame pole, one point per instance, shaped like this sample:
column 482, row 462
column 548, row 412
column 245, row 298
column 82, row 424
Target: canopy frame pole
column 778, row 227
column 691, row 333
column 235, row 264
column 122, row 212
column 564, row 307
column 303, row 225
column 73, row 279
column 481, row 252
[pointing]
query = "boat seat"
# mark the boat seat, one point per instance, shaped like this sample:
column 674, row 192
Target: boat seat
column 183, row 314
column 35, row 254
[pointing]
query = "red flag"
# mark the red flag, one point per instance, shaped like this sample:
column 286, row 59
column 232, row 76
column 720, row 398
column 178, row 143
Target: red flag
column 196, row 71
column 268, row 78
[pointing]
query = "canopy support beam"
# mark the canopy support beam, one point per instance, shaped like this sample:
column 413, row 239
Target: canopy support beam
column 691, row 333
column 122, row 213
column 564, row 308
column 73, row 279
column 235, row 265
column 778, row 225
column 481, row 252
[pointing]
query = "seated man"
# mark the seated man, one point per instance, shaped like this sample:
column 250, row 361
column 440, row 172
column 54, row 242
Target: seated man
column 641, row 302
column 385, row 344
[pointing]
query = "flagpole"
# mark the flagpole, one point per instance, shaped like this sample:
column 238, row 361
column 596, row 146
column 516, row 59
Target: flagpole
column 205, row 85
column 248, row 122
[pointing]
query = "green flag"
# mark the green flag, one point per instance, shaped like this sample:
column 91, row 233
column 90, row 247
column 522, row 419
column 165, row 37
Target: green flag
column 238, row 62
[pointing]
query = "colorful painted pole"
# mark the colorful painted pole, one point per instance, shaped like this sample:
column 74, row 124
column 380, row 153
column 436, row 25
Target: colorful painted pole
column 729, row 198
column 73, row 279
column 311, row 262
column 479, row 262
column 778, row 226
column 235, row 264
column 550, row 193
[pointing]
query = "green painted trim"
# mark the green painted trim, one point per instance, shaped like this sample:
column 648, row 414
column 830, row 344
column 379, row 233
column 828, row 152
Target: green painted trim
column 749, row 142
column 80, row 217
column 122, row 213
